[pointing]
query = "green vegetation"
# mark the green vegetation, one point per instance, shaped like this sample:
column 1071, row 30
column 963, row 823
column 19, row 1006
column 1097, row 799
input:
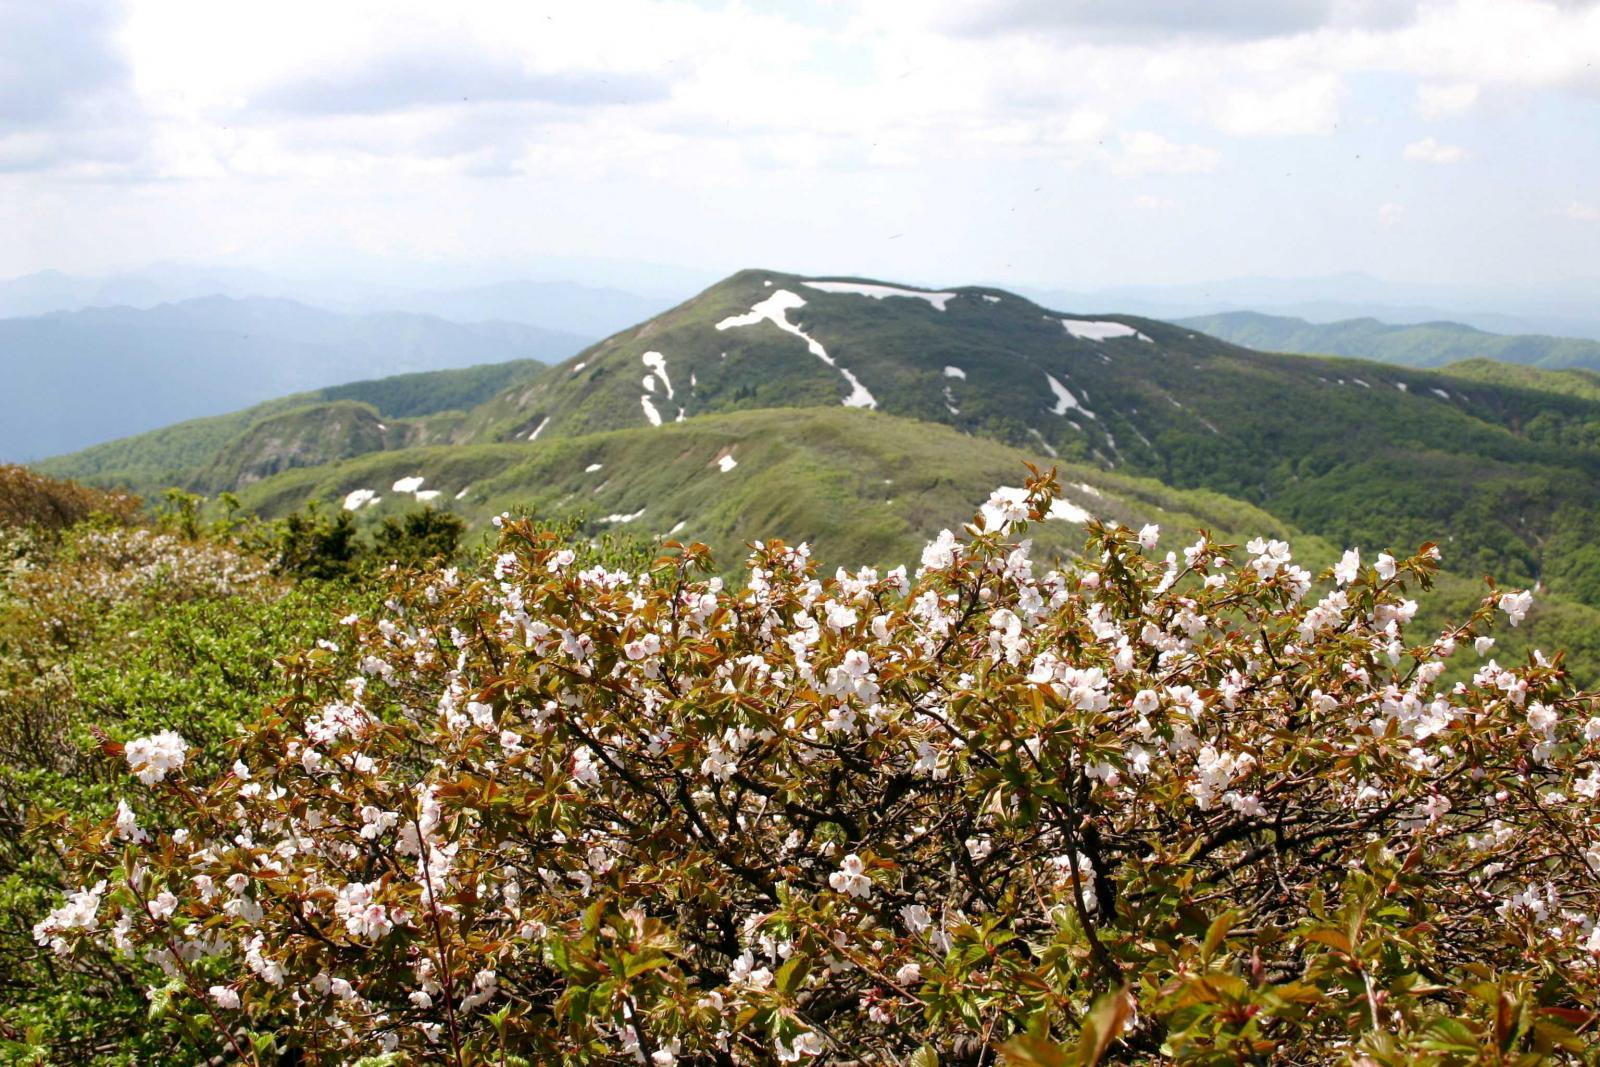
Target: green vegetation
column 862, row 488
column 226, row 451
column 1425, row 344
column 1573, row 382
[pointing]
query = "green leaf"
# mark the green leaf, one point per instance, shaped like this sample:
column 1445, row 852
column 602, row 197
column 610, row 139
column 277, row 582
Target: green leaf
column 792, row 974
column 1026, row 1050
column 1104, row 1024
column 1216, row 933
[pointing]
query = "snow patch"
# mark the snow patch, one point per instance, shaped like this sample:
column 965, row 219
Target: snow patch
column 463, row 492
column 1067, row 511
column 579, row 367
column 775, row 309
column 681, row 523
column 727, row 463
column 649, row 383
column 1403, row 387
column 358, row 498
column 1361, row 383
column 591, row 468
column 658, row 363
column 991, row 299
column 539, row 429
column 1046, row 445
column 1440, row 393
column 955, row 372
column 425, row 495
column 1091, row 330
column 623, row 518
column 650, row 411
column 409, row 485
column 879, row 292
column 1065, row 401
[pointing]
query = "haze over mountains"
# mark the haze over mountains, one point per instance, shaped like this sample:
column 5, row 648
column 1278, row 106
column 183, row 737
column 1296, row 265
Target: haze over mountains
column 1423, row 344
column 78, row 377
column 592, row 310
column 1567, row 308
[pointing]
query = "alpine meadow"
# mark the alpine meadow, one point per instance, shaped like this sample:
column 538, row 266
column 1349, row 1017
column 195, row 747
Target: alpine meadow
column 1122, row 587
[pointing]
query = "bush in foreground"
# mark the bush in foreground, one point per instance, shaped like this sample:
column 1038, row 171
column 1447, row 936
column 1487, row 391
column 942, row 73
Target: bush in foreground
column 1138, row 809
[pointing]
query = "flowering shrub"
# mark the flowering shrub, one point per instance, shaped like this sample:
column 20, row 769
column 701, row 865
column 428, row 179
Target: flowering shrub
column 125, row 631
column 1186, row 807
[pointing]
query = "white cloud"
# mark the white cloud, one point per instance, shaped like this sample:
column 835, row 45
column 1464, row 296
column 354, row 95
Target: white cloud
column 1447, row 100
column 1391, row 213
column 1583, row 212
column 1304, row 106
column 347, row 118
column 1147, row 152
column 1431, row 150
column 1146, row 202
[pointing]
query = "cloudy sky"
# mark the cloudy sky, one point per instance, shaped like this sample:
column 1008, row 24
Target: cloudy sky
column 1060, row 142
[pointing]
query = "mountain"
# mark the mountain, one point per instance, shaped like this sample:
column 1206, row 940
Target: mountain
column 228, row 452
column 1505, row 474
column 1426, row 344
column 76, row 378
column 1559, row 308
column 565, row 306
column 581, row 309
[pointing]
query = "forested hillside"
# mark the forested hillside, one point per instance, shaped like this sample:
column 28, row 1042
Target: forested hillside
column 1424, row 344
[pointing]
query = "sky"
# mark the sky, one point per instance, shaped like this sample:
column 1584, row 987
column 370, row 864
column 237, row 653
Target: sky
column 1047, row 142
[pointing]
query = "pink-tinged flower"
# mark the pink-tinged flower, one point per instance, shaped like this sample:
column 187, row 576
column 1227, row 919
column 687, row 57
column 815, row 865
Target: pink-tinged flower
column 162, row 906
column 152, row 758
column 850, row 878
column 1516, row 606
column 1348, row 569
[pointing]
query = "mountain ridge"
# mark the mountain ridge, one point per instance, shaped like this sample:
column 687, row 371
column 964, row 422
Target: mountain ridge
column 1422, row 344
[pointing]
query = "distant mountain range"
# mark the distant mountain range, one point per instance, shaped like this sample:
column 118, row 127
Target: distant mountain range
column 1568, row 309
column 590, row 311
column 1425, row 344
column 78, row 377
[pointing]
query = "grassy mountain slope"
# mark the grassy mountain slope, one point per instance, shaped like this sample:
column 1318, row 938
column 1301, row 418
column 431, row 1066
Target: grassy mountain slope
column 228, row 451
column 862, row 487
column 77, row 378
column 1425, row 344
column 1573, row 381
